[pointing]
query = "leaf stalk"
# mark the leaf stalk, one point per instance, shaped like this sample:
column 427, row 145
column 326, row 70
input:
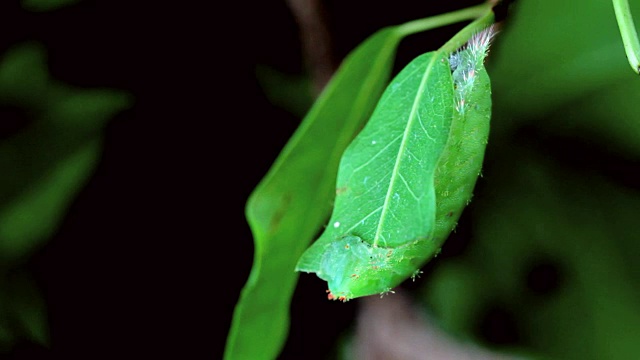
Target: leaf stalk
column 628, row 33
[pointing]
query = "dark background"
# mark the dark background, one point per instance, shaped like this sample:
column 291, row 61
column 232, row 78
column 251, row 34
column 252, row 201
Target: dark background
column 152, row 255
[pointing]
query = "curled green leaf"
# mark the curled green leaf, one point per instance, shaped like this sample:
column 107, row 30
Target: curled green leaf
column 405, row 179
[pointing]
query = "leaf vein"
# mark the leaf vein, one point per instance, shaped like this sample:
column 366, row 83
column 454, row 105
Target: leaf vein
column 406, row 184
column 405, row 138
column 360, row 167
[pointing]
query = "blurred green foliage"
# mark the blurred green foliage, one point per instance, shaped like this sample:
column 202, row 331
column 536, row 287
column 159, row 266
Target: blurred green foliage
column 46, row 5
column 45, row 164
column 554, row 230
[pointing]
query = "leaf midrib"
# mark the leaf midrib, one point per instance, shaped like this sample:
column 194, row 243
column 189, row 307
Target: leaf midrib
column 405, row 137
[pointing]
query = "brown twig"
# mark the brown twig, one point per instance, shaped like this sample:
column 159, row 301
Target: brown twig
column 316, row 40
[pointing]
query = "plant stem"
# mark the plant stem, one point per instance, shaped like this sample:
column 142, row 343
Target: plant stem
column 628, row 33
column 315, row 39
column 481, row 21
column 477, row 12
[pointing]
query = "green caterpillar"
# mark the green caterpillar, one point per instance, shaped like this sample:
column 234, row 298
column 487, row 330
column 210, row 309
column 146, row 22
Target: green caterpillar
column 405, row 179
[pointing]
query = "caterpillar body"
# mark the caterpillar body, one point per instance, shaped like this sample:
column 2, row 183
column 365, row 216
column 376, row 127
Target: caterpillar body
column 405, row 179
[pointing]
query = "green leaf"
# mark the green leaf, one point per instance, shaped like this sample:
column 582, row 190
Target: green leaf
column 289, row 92
column 26, row 311
column 16, row 87
column 546, row 59
column 53, row 155
column 47, row 162
column 404, row 181
column 293, row 201
column 385, row 198
column 607, row 117
column 46, row 5
column 28, row 220
column 23, row 316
